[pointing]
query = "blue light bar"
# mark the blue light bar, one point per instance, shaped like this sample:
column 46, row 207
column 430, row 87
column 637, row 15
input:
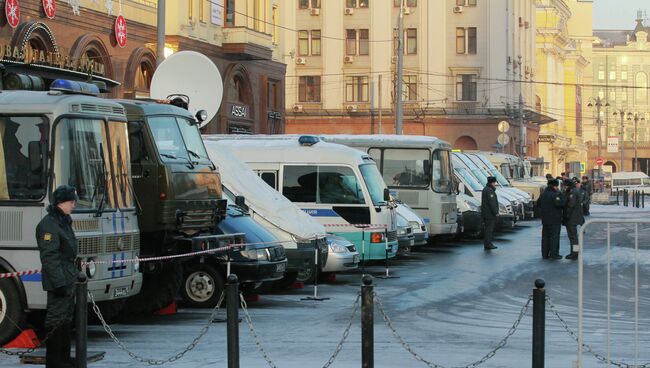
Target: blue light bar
column 308, row 140
column 69, row 86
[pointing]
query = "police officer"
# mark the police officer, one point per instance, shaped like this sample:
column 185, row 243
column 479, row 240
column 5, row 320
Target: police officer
column 588, row 190
column 551, row 204
column 58, row 249
column 573, row 216
column 489, row 212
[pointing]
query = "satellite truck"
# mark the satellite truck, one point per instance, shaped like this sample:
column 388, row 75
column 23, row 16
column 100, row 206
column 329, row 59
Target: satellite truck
column 180, row 192
column 65, row 135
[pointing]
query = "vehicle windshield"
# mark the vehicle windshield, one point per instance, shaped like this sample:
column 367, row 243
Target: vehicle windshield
column 121, row 158
column 193, row 141
column 468, row 179
column 500, row 178
column 441, row 171
column 479, row 175
column 404, row 167
column 374, row 182
column 23, row 157
column 177, row 140
column 81, row 159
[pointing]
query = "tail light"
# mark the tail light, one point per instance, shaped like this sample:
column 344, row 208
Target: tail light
column 377, row 238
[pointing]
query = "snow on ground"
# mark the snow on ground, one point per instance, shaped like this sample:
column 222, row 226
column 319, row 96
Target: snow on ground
column 452, row 303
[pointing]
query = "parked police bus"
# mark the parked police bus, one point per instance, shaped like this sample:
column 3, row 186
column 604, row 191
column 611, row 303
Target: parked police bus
column 418, row 171
column 338, row 185
column 65, row 136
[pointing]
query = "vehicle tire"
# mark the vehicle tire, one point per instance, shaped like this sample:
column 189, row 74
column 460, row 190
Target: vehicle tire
column 306, row 275
column 288, row 280
column 159, row 289
column 202, row 286
column 11, row 311
column 110, row 310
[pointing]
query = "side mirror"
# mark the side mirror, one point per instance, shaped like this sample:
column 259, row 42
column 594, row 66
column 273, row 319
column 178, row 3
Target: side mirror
column 240, row 201
column 36, row 151
column 427, row 168
column 386, row 194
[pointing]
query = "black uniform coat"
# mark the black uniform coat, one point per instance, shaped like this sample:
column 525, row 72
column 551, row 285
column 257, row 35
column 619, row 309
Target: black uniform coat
column 58, row 249
column 489, row 203
column 551, row 204
column 573, row 211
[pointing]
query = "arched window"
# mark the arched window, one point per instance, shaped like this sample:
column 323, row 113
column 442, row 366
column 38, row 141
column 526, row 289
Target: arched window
column 143, row 77
column 465, row 143
column 641, row 88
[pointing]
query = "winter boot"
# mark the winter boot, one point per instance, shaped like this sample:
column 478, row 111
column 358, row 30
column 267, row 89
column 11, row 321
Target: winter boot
column 53, row 349
column 572, row 256
column 66, row 336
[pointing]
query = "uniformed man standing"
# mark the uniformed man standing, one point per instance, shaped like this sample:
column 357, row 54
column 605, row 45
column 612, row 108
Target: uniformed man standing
column 489, row 212
column 588, row 190
column 58, row 249
column 573, row 216
column 551, row 204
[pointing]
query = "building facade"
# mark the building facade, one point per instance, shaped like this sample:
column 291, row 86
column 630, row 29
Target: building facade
column 563, row 54
column 80, row 42
column 466, row 63
column 621, row 68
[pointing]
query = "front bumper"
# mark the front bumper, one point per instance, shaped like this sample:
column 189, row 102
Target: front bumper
column 300, row 258
column 111, row 289
column 529, row 210
column 258, row 271
column 442, row 229
column 506, row 221
column 343, row 261
column 405, row 243
column 472, row 222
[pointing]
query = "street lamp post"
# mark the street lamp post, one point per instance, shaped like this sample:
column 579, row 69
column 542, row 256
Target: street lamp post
column 637, row 116
column 598, row 103
column 622, row 142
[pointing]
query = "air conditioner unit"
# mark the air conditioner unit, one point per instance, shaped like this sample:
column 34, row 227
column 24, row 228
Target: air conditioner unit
column 458, row 9
column 352, row 108
column 297, row 108
column 407, row 11
column 301, row 61
column 349, row 11
column 349, row 59
column 393, row 59
column 315, row 11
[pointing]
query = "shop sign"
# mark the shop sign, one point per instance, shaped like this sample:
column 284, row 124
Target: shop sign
column 239, row 111
column 29, row 55
column 12, row 11
column 612, row 144
column 120, row 31
column 49, row 6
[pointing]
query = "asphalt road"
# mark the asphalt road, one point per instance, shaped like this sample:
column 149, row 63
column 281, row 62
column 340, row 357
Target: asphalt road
column 452, row 303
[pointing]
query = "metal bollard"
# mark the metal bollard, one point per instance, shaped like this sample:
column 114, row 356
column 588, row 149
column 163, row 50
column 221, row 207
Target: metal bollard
column 618, row 193
column 539, row 321
column 232, row 314
column 638, row 199
column 367, row 323
column 643, row 200
column 81, row 321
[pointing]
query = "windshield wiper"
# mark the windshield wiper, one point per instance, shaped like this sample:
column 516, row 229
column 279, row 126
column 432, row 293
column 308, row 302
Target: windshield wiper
column 168, row 156
column 100, row 208
column 129, row 183
column 193, row 153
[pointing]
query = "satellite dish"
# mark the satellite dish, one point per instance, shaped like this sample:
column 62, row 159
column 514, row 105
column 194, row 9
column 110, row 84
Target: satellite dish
column 191, row 74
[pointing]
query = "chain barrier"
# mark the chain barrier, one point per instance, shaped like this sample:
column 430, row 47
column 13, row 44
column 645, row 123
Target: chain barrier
column 140, row 359
column 339, row 346
column 587, row 347
column 485, row 358
column 251, row 328
column 20, row 354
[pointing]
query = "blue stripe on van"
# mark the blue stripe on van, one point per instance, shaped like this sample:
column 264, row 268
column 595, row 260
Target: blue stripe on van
column 319, row 212
column 32, row 278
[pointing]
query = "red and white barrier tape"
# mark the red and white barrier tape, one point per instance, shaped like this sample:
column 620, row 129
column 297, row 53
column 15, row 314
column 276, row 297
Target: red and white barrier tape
column 358, row 226
column 18, row 274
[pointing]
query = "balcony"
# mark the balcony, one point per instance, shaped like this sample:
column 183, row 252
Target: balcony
column 247, row 43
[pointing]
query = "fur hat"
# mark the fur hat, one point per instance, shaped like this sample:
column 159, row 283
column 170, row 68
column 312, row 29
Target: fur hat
column 491, row 179
column 64, row 193
column 553, row 183
column 568, row 183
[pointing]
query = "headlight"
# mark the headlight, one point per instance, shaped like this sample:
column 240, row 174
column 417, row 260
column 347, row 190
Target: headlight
column 136, row 264
column 502, row 208
column 415, row 225
column 337, row 248
column 377, row 237
column 91, row 268
column 256, row 254
column 401, row 230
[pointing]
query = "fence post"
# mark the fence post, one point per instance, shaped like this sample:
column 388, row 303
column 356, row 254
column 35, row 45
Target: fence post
column 367, row 323
column 638, row 199
column 643, row 200
column 232, row 314
column 539, row 321
column 81, row 321
column 618, row 192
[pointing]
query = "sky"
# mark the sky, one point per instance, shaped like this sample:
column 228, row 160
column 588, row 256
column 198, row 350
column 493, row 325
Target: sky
column 618, row 14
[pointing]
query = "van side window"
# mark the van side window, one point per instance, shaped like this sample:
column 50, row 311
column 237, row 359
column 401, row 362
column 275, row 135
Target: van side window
column 405, row 167
column 299, row 183
column 339, row 185
column 270, row 179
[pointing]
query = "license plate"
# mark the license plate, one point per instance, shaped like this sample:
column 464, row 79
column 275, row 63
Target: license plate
column 355, row 258
column 280, row 267
column 120, row 292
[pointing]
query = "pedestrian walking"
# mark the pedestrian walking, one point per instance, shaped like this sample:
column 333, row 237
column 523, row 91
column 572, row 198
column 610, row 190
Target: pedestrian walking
column 551, row 205
column 57, row 245
column 489, row 212
column 588, row 189
column 573, row 216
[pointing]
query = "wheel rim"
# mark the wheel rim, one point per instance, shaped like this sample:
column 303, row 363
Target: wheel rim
column 305, row 274
column 199, row 286
column 3, row 307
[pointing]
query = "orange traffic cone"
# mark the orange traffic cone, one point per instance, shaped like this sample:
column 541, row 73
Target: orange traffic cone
column 297, row 285
column 168, row 310
column 252, row 298
column 26, row 340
